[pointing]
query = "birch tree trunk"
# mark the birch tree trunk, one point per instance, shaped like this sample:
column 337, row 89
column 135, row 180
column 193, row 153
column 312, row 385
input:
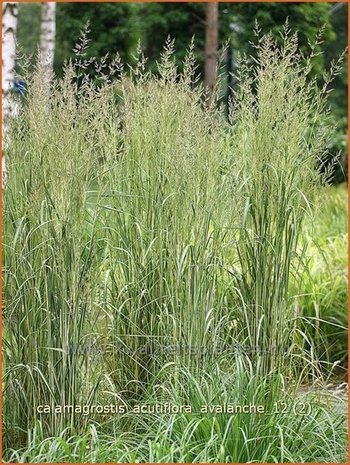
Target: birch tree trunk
column 47, row 37
column 9, row 29
column 211, row 46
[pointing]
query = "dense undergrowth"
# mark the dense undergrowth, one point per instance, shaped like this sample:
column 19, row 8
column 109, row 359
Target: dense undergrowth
column 324, row 285
column 155, row 252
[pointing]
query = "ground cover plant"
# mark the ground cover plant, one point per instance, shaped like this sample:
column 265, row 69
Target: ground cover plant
column 153, row 251
column 323, row 287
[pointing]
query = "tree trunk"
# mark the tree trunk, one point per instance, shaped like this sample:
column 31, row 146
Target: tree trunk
column 211, row 46
column 47, row 36
column 9, row 28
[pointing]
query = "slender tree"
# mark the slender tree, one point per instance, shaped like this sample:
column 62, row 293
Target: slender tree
column 48, row 34
column 9, row 29
column 211, row 45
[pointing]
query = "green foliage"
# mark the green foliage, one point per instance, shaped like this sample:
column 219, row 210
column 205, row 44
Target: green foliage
column 137, row 217
column 323, row 288
column 117, row 27
column 276, row 436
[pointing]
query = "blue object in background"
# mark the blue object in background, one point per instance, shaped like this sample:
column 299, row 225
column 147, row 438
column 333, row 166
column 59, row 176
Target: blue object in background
column 19, row 87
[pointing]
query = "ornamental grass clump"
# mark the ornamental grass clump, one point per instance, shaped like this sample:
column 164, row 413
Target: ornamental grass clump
column 279, row 132
column 149, row 245
column 51, row 248
column 163, row 221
